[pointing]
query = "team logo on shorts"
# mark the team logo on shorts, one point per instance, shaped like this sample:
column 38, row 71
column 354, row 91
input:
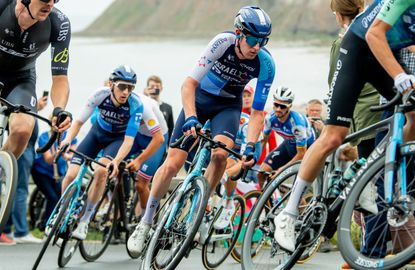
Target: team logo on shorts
column 33, row 101
column 151, row 122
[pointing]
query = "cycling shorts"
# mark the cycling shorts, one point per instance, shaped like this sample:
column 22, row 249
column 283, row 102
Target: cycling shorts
column 223, row 113
column 281, row 155
column 355, row 66
column 150, row 166
column 96, row 140
column 20, row 88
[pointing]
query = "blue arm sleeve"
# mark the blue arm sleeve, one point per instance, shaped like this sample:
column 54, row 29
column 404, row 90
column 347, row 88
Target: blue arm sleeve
column 265, row 79
column 135, row 117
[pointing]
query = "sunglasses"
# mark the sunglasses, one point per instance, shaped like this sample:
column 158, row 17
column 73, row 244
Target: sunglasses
column 253, row 41
column 281, row 106
column 123, row 86
column 47, row 1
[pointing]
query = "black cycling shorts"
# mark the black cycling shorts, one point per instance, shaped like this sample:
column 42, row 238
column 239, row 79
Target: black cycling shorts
column 355, row 66
column 20, row 88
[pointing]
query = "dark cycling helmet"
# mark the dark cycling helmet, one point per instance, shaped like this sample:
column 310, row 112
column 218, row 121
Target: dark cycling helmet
column 124, row 73
column 253, row 21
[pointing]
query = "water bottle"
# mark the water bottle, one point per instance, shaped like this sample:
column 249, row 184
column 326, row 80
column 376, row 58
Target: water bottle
column 339, row 183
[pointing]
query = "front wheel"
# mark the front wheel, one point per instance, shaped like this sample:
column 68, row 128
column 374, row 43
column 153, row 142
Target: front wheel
column 173, row 238
column 385, row 239
column 66, row 251
column 221, row 242
column 8, row 184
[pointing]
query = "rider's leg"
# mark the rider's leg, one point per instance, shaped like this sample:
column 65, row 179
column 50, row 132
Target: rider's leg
column 162, row 179
column 217, row 164
column 315, row 157
column 21, row 127
column 143, row 192
column 70, row 175
column 409, row 129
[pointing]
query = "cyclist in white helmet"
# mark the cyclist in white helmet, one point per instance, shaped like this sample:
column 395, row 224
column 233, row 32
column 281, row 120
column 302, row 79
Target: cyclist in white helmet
column 292, row 126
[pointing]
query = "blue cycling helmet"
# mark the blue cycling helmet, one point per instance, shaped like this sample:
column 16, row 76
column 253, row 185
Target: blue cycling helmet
column 124, row 73
column 253, row 21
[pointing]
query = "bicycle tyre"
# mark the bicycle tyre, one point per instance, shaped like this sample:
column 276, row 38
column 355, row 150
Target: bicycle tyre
column 66, row 251
column 198, row 183
column 37, row 202
column 374, row 170
column 228, row 245
column 8, row 185
column 251, row 198
column 54, row 232
column 248, row 254
column 93, row 246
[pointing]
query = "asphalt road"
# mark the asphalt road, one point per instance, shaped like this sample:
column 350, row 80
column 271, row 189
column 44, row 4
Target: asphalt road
column 22, row 256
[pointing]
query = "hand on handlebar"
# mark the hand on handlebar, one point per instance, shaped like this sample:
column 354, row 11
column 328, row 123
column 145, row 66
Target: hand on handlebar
column 134, row 165
column 64, row 117
column 190, row 125
column 112, row 169
column 404, row 82
column 248, row 158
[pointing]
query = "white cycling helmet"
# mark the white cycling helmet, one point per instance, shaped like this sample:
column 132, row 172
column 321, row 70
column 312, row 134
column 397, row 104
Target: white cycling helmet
column 283, row 93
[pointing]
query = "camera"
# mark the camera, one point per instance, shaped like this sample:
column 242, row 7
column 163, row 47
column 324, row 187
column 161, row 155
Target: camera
column 154, row 91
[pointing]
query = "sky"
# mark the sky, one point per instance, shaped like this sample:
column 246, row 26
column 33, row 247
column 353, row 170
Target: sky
column 81, row 13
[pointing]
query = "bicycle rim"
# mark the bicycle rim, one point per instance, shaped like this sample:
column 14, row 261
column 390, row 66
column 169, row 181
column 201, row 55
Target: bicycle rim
column 8, row 184
column 259, row 249
column 62, row 208
column 66, row 251
column 390, row 243
column 251, row 198
column 167, row 247
column 100, row 229
column 214, row 253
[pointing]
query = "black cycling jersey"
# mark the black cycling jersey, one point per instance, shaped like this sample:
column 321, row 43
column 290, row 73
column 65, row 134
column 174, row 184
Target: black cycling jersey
column 19, row 49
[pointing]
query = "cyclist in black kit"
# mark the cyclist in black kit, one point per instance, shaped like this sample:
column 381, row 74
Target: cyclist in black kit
column 27, row 27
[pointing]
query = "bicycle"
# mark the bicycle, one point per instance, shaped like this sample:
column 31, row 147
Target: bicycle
column 317, row 216
column 8, row 163
column 177, row 228
column 390, row 168
column 65, row 215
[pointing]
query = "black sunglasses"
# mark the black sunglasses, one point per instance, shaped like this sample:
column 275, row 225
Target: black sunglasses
column 123, row 86
column 47, row 1
column 282, row 106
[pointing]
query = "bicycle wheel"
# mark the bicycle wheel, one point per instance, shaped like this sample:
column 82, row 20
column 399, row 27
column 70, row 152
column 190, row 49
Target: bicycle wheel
column 259, row 248
column 8, row 184
column 37, row 205
column 220, row 243
column 388, row 242
column 101, row 227
column 66, row 251
column 61, row 212
column 170, row 242
column 251, row 198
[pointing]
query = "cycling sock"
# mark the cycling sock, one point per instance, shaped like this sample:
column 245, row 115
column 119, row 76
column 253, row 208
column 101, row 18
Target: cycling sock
column 89, row 211
column 151, row 209
column 297, row 191
column 143, row 210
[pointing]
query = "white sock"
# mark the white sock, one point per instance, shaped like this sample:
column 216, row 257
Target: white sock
column 89, row 211
column 297, row 191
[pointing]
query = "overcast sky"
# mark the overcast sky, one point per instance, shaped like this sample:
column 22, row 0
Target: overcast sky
column 82, row 12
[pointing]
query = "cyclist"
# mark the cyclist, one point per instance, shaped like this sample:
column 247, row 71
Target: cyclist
column 117, row 124
column 151, row 143
column 355, row 66
column 27, row 27
column 290, row 125
column 213, row 90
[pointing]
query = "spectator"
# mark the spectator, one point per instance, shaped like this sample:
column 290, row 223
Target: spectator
column 153, row 90
column 313, row 112
column 19, row 210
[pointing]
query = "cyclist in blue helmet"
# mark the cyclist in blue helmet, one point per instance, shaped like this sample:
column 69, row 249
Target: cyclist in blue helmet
column 213, row 91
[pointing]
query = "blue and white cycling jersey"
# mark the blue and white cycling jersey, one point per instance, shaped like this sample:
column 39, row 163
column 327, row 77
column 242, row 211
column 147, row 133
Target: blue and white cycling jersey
column 240, row 141
column 296, row 129
column 220, row 72
column 123, row 119
column 402, row 33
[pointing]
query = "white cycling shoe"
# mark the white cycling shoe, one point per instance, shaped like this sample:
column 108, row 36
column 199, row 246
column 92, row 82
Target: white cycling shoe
column 136, row 241
column 284, row 231
column 224, row 219
column 367, row 199
column 81, row 231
